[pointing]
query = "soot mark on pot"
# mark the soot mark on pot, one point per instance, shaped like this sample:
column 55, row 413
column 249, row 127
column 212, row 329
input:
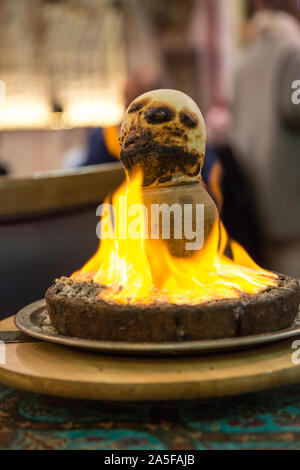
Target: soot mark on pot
column 133, row 138
column 137, row 106
column 165, row 179
column 159, row 114
column 188, row 119
column 159, row 162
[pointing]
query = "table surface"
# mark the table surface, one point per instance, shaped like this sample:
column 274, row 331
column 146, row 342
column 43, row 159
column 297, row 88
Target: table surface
column 265, row 420
column 67, row 372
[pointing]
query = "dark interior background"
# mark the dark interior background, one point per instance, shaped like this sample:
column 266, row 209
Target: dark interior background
column 34, row 251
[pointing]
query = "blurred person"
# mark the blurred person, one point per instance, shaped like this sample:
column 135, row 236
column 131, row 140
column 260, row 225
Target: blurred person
column 228, row 178
column 74, row 157
column 3, row 170
column 266, row 127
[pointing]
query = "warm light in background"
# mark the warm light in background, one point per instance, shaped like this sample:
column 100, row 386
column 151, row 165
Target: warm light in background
column 62, row 66
column 36, row 114
column 92, row 113
column 21, row 114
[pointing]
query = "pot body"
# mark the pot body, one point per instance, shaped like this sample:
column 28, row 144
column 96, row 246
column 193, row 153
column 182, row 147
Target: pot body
column 183, row 215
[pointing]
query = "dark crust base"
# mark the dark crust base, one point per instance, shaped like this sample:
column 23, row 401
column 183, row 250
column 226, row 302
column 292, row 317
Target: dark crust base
column 274, row 309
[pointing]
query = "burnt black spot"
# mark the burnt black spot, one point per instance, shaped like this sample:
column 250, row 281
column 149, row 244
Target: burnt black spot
column 137, row 106
column 188, row 119
column 159, row 114
column 176, row 133
column 165, row 179
column 132, row 139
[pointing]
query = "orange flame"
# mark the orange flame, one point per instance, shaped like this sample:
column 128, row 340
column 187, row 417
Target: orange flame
column 137, row 270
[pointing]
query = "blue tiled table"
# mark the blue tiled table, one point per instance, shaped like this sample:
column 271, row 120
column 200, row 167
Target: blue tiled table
column 265, row 420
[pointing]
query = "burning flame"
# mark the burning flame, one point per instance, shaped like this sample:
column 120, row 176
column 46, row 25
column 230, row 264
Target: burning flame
column 143, row 271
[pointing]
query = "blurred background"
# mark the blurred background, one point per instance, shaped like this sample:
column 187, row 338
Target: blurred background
column 68, row 69
column 64, row 65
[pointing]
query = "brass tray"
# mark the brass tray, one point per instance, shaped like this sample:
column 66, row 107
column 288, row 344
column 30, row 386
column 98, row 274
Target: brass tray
column 29, row 320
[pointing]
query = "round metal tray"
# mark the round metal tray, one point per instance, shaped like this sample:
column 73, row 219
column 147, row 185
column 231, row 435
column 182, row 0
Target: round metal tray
column 29, row 321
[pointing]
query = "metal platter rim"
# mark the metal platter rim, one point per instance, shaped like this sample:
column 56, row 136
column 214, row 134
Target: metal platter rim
column 24, row 322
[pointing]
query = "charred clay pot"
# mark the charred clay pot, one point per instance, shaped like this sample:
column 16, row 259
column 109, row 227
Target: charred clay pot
column 163, row 134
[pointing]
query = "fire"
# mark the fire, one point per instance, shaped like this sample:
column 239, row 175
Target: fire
column 139, row 270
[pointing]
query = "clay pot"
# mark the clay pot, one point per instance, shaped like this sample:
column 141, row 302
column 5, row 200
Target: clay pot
column 194, row 212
